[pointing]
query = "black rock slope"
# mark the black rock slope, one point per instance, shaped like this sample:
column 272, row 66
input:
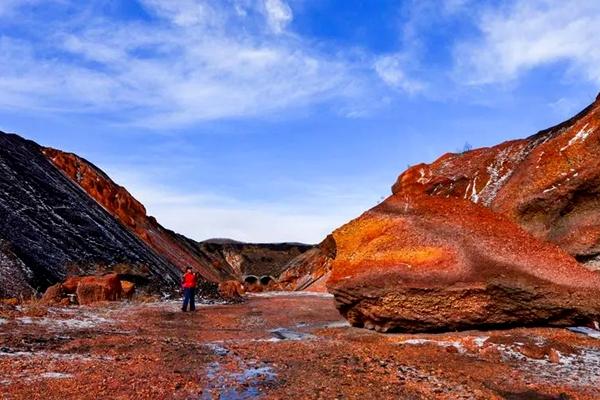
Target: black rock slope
column 50, row 227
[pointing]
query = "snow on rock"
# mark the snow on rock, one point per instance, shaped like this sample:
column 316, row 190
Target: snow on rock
column 579, row 137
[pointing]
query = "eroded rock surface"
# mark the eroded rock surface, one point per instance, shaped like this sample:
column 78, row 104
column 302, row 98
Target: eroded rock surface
column 481, row 239
column 310, row 270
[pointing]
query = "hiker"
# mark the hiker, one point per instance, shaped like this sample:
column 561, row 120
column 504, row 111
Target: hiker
column 189, row 282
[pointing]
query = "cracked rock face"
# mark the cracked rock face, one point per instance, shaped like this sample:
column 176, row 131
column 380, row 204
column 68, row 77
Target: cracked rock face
column 481, row 239
column 51, row 227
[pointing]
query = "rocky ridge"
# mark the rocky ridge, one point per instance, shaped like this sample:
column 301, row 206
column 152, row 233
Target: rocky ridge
column 549, row 183
column 482, row 238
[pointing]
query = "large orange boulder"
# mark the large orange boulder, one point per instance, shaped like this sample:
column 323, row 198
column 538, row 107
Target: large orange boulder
column 92, row 289
column 425, row 263
column 481, row 239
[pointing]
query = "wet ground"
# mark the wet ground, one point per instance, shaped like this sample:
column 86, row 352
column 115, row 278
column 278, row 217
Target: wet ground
column 279, row 347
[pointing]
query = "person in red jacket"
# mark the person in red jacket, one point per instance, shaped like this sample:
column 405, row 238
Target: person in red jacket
column 189, row 283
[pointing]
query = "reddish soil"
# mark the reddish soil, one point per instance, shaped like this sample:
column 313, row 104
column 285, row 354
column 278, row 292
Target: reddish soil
column 247, row 351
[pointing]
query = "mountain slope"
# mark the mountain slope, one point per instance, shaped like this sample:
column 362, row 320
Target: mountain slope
column 130, row 212
column 49, row 227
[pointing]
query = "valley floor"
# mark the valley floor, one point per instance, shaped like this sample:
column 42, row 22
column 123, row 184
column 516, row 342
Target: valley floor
column 279, row 346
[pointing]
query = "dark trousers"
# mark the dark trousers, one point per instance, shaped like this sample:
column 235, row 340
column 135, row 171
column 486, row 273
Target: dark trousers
column 189, row 297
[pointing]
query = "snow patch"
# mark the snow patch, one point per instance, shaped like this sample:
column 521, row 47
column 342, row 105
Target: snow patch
column 3, row 321
column 53, row 356
column 579, row 137
column 579, row 369
column 442, row 343
column 474, row 194
column 423, row 180
column 55, row 375
column 480, row 341
column 88, row 321
column 499, row 173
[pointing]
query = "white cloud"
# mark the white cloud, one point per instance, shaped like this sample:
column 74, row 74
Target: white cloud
column 309, row 218
column 181, row 12
column 532, row 33
column 391, row 70
column 279, row 14
column 204, row 60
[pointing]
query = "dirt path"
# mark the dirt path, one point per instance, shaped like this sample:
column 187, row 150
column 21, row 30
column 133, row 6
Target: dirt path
column 279, row 347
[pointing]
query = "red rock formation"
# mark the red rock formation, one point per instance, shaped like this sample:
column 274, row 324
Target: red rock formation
column 131, row 213
column 70, row 285
column 92, row 289
column 463, row 242
column 548, row 183
column 231, row 290
column 53, row 295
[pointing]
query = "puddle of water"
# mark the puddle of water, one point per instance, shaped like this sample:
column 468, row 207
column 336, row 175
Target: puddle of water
column 244, row 385
column 586, row 331
column 254, row 373
column 288, row 334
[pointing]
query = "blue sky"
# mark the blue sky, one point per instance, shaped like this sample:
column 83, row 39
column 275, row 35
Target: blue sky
column 280, row 120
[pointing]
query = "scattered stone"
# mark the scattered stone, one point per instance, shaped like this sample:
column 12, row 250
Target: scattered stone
column 127, row 289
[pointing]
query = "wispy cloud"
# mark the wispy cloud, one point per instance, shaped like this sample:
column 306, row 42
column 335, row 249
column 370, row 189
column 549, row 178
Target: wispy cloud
column 391, row 70
column 526, row 34
column 196, row 61
column 309, row 216
column 279, row 14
